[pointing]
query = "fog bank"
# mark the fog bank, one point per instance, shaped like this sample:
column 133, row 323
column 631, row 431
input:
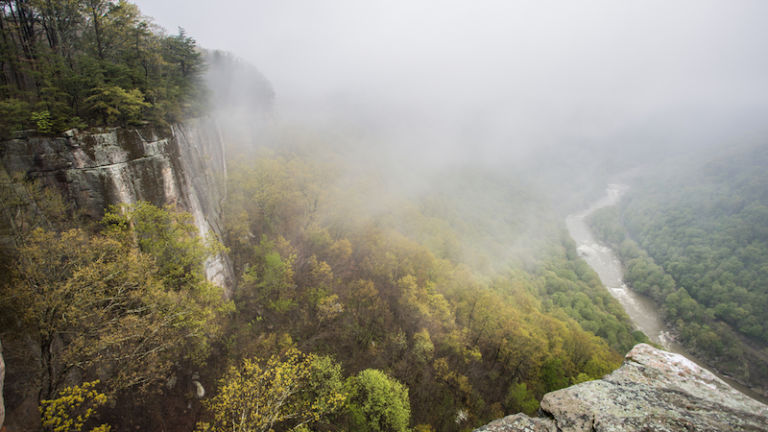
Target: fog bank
column 499, row 80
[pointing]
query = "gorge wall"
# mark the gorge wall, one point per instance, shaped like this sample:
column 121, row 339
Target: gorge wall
column 653, row 390
column 182, row 165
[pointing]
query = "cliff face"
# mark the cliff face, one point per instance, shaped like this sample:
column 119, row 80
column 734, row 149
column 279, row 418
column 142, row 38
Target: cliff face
column 182, row 165
column 653, row 390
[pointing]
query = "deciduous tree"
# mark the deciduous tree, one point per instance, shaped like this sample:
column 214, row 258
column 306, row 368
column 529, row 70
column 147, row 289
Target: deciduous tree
column 291, row 390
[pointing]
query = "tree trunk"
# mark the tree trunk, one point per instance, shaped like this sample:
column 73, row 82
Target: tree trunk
column 26, row 29
column 46, row 370
column 2, row 379
column 97, row 31
column 51, row 29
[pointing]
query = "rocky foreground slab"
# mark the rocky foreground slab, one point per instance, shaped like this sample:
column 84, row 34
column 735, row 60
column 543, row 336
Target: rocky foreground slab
column 653, row 390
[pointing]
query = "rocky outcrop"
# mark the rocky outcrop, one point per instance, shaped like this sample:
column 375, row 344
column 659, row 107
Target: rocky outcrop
column 182, row 165
column 520, row 422
column 653, row 390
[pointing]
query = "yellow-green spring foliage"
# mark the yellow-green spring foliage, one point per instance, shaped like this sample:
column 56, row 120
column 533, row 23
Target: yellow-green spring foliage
column 70, row 411
column 378, row 403
column 292, row 391
column 314, row 266
column 98, row 302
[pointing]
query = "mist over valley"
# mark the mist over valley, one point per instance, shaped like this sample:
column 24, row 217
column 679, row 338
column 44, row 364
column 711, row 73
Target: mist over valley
column 383, row 216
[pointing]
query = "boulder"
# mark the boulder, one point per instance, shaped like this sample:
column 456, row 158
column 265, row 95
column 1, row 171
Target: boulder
column 520, row 422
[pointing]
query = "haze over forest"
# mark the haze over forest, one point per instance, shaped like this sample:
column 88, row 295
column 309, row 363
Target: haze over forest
column 351, row 215
column 555, row 98
column 446, row 81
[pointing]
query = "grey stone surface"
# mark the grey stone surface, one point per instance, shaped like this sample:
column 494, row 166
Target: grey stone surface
column 182, row 165
column 653, row 390
column 520, row 422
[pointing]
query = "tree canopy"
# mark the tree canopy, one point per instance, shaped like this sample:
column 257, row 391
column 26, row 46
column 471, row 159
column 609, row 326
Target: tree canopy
column 381, row 292
column 700, row 250
column 290, row 391
column 79, row 63
column 378, row 403
column 96, row 305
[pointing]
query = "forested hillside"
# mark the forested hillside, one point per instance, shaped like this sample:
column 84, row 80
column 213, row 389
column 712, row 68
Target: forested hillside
column 92, row 313
column 377, row 279
column 338, row 299
column 78, row 63
column 369, row 297
column 700, row 249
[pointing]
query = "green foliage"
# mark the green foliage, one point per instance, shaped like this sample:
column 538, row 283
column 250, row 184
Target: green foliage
column 169, row 236
column 14, row 115
column 115, row 104
column 552, row 375
column 92, row 62
column 72, row 409
column 378, row 403
column 317, row 270
column 96, row 302
column 42, row 121
column 291, row 391
column 269, row 280
column 568, row 284
column 108, row 307
column 700, row 250
column 423, row 348
column 520, row 399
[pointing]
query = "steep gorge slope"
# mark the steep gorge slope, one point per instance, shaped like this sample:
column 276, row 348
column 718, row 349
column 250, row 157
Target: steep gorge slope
column 695, row 241
column 182, row 165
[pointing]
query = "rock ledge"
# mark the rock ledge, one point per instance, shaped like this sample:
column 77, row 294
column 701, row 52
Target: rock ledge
column 653, row 390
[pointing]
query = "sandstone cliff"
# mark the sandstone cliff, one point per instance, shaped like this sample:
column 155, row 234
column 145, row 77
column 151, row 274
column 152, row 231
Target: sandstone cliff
column 182, row 165
column 653, row 390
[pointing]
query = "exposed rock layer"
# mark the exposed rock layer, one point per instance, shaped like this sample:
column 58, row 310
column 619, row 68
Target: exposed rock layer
column 653, row 390
column 182, row 165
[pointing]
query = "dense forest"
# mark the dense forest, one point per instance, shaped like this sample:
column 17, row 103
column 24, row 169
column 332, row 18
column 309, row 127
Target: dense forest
column 700, row 250
column 334, row 279
column 351, row 305
column 78, row 63
column 360, row 305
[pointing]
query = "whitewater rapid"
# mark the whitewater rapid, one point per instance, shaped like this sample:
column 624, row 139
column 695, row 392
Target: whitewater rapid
column 603, row 260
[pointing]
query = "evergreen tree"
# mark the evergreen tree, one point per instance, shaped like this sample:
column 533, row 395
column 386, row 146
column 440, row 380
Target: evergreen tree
column 79, row 63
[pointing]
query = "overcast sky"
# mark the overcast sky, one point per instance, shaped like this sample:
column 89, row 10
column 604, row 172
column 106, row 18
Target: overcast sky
column 519, row 71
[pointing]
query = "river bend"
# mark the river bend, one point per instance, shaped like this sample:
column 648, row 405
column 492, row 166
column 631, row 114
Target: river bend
column 641, row 310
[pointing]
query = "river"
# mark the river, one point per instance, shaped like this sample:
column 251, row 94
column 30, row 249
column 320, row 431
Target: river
column 641, row 310
column 603, row 260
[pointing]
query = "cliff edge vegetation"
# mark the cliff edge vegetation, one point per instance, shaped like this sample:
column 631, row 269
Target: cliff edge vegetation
column 78, row 63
